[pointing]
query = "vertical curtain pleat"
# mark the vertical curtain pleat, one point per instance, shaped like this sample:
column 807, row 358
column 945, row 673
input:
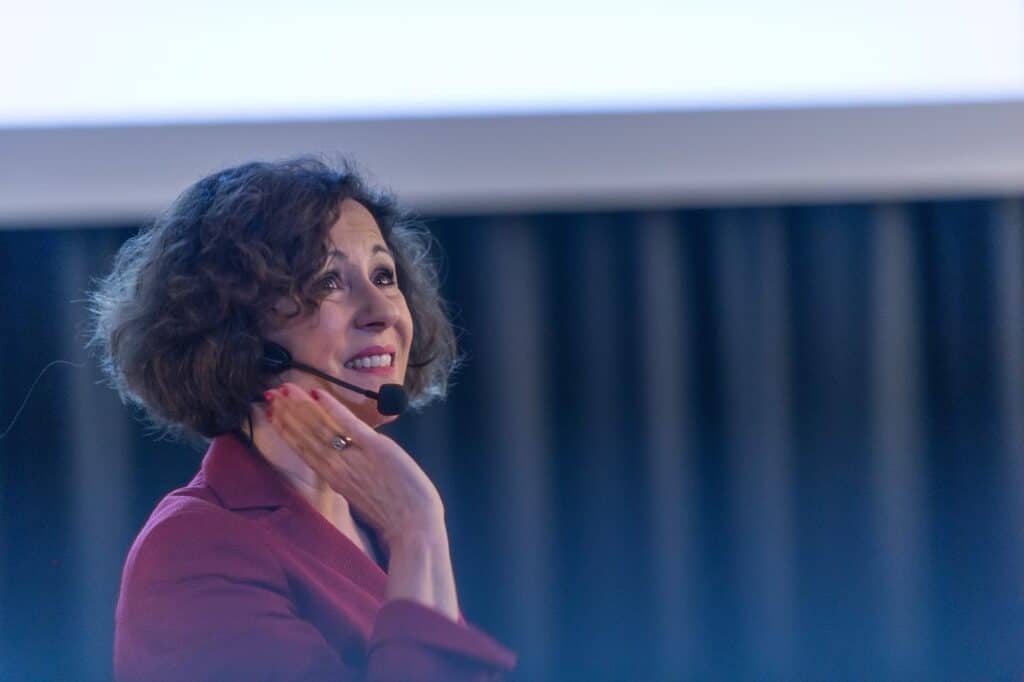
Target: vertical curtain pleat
column 666, row 415
column 1008, row 274
column 97, row 441
column 901, row 547
column 518, row 410
column 605, row 365
column 829, row 335
column 750, row 254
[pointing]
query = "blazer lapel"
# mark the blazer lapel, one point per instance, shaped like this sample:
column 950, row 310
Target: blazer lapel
column 244, row 480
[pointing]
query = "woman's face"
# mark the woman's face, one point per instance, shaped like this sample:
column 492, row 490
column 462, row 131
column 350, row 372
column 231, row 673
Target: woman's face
column 362, row 311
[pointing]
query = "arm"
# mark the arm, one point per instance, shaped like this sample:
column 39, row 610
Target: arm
column 420, row 569
column 422, row 617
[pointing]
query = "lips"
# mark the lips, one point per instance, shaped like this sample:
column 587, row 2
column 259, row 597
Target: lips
column 377, row 360
column 374, row 350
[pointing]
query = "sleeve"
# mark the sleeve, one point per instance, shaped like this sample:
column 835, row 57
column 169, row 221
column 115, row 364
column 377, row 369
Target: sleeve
column 204, row 602
column 411, row 641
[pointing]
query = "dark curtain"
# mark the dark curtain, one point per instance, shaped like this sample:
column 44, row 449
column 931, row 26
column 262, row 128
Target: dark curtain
column 741, row 443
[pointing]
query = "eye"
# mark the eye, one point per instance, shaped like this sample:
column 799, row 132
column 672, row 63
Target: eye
column 384, row 277
column 329, row 282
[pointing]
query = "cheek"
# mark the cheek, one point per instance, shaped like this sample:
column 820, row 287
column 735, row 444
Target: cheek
column 408, row 338
column 329, row 332
column 407, row 322
column 331, row 320
column 317, row 336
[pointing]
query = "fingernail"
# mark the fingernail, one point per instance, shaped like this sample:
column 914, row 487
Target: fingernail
column 268, row 395
column 269, row 413
column 284, row 390
column 314, row 394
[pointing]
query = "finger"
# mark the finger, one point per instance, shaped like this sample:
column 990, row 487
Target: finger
column 295, row 434
column 348, row 474
column 312, row 417
column 312, row 429
column 353, row 425
column 298, row 405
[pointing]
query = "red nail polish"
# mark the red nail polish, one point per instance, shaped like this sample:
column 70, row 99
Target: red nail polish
column 269, row 413
column 284, row 390
column 313, row 392
column 268, row 395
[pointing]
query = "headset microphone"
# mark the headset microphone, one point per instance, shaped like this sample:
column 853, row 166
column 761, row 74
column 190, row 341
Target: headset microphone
column 391, row 400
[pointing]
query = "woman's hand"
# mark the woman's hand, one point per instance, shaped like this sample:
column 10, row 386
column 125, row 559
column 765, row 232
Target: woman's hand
column 382, row 484
column 380, row 480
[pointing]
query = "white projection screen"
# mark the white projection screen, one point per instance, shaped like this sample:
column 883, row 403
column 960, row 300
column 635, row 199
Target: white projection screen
column 108, row 109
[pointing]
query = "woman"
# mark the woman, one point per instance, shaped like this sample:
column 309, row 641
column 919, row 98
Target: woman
column 309, row 546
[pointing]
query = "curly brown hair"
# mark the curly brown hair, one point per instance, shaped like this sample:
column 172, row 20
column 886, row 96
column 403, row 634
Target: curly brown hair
column 177, row 323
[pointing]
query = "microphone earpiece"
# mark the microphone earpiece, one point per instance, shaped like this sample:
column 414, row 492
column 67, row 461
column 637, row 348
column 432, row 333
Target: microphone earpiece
column 276, row 357
column 391, row 400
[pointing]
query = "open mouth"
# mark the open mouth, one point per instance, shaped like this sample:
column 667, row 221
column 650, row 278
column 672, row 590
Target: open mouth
column 369, row 362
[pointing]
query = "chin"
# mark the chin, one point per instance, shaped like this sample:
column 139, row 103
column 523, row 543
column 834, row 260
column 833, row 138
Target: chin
column 366, row 411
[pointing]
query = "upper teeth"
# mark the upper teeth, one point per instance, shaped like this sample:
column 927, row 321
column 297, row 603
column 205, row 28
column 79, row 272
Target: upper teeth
column 370, row 361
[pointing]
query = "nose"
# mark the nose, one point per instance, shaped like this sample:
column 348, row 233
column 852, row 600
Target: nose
column 376, row 310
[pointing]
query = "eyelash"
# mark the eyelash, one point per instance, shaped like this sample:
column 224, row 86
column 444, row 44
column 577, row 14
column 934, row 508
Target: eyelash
column 334, row 276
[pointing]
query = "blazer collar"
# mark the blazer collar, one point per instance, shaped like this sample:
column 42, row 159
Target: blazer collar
column 240, row 477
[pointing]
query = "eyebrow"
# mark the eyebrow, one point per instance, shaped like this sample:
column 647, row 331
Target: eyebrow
column 377, row 248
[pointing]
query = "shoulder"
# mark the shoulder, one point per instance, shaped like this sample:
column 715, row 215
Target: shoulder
column 204, row 597
column 190, row 539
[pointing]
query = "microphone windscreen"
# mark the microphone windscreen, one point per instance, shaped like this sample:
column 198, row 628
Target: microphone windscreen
column 392, row 399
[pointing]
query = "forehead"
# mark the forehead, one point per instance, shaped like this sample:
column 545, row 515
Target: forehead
column 355, row 228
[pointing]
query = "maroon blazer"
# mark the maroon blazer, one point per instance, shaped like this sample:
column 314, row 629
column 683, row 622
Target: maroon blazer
column 237, row 576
